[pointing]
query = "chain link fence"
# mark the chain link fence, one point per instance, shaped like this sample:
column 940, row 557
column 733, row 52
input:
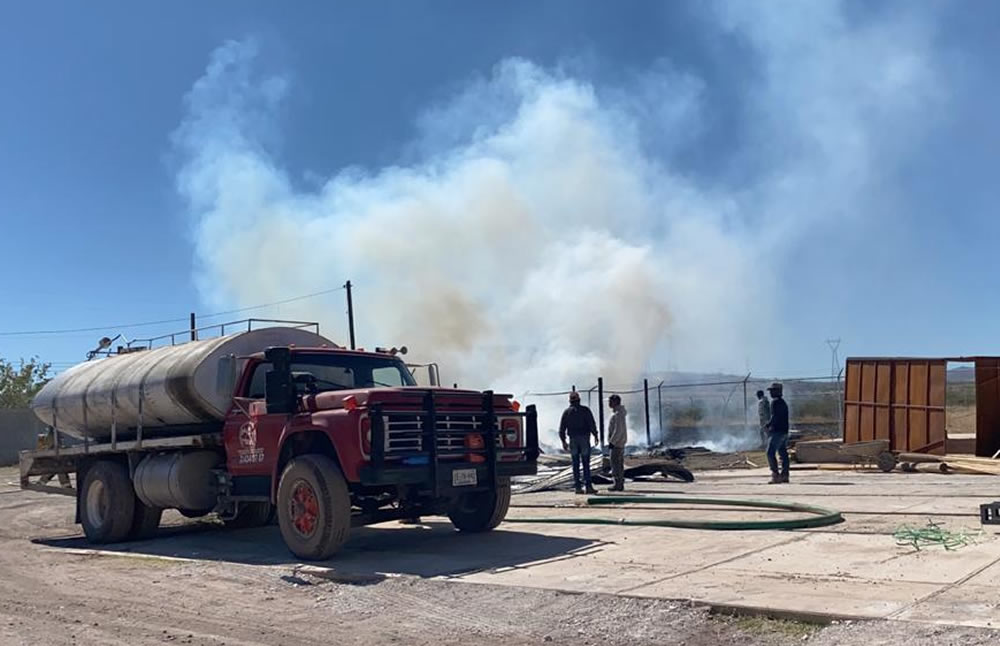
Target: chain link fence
column 721, row 414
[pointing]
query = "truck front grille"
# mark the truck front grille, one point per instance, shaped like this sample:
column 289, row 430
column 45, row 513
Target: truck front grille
column 404, row 433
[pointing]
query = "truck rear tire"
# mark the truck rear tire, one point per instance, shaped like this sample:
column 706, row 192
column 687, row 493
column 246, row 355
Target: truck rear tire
column 107, row 503
column 314, row 507
column 145, row 521
column 250, row 514
column 480, row 511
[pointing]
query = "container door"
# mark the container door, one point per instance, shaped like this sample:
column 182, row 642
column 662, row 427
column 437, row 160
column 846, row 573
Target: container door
column 987, row 406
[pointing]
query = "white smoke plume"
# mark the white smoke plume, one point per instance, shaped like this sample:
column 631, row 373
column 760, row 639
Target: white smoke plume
column 546, row 234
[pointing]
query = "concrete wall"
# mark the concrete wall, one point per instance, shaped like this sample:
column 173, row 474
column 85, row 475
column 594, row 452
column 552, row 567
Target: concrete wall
column 19, row 429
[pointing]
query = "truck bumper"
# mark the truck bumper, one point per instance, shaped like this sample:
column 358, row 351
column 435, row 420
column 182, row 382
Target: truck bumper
column 446, row 475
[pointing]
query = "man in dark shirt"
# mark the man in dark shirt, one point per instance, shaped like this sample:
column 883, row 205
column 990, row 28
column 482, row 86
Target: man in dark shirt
column 777, row 431
column 578, row 422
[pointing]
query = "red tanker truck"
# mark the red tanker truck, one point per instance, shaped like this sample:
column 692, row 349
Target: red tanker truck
column 275, row 421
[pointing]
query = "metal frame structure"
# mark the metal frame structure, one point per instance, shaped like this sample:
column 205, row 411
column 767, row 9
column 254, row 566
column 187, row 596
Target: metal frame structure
column 903, row 400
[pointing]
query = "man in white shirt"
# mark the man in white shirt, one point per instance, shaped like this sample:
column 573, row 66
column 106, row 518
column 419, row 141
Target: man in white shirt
column 617, row 438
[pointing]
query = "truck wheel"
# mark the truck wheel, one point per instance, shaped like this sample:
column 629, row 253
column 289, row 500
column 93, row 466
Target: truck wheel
column 314, row 507
column 250, row 514
column 480, row 511
column 145, row 521
column 107, row 503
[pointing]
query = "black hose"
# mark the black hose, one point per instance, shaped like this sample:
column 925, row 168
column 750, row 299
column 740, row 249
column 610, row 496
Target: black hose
column 819, row 516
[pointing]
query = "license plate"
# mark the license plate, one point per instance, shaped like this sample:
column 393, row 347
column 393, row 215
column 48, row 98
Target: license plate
column 463, row 478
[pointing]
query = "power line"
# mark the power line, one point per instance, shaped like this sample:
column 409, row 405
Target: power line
column 90, row 329
column 104, row 328
column 258, row 307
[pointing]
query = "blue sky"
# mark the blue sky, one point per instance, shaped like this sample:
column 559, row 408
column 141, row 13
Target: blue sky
column 890, row 248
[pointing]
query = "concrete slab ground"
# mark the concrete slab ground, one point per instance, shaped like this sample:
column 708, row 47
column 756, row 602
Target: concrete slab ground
column 855, row 569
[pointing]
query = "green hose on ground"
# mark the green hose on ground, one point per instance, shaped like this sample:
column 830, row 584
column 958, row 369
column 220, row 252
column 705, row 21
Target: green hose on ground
column 819, row 517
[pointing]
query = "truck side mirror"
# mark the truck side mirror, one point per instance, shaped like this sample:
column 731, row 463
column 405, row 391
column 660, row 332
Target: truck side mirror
column 279, row 389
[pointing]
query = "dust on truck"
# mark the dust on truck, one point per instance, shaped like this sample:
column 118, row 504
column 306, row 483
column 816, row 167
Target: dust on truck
column 277, row 420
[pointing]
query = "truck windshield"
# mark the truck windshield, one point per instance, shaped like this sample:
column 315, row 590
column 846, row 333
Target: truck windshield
column 328, row 371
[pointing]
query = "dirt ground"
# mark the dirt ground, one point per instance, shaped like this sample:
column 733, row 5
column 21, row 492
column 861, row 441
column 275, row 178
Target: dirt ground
column 51, row 593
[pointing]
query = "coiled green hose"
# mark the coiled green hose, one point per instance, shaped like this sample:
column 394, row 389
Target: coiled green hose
column 819, row 517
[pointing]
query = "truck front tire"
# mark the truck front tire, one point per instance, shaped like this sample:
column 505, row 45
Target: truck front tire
column 480, row 511
column 314, row 507
column 107, row 503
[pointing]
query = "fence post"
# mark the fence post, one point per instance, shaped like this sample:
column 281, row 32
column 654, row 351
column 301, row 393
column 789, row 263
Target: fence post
column 600, row 410
column 645, row 396
column 659, row 409
column 745, row 420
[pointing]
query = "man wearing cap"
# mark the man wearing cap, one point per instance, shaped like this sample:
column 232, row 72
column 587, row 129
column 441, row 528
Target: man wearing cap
column 777, row 430
column 578, row 423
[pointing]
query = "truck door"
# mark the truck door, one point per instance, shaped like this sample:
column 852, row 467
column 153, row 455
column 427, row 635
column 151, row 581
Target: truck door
column 251, row 434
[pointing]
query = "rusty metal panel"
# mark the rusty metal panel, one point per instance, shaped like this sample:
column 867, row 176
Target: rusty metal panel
column 869, row 376
column 918, row 385
column 867, row 423
column 883, row 399
column 900, row 428
column 901, row 400
column 883, row 383
column 900, row 417
column 853, row 390
column 852, row 410
column 851, row 424
column 868, row 381
column 987, row 406
column 938, row 378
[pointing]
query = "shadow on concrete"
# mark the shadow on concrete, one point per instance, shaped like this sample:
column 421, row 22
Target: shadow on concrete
column 431, row 549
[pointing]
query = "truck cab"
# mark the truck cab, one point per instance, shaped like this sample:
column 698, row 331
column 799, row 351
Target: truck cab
column 337, row 438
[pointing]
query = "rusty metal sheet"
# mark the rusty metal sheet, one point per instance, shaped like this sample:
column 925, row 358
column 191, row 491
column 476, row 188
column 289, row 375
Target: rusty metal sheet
column 899, row 400
column 987, row 406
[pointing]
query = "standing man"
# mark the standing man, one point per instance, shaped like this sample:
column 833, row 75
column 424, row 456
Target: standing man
column 578, row 422
column 617, row 437
column 777, row 441
column 763, row 416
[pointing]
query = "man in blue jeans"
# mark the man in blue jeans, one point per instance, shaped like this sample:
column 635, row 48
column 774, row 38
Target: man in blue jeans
column 777, row 435
column 578, row 422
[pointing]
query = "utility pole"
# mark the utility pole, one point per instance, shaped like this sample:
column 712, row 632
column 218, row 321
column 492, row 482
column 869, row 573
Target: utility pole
column 834, row 358
column 350, row 313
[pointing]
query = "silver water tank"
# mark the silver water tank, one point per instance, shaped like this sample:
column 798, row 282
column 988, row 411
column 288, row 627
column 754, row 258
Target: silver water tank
column 178, row 385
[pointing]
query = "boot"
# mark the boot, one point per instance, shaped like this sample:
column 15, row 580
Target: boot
column 784, row 477
column 775, row 478
column 578, row 491
column 591, row 490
